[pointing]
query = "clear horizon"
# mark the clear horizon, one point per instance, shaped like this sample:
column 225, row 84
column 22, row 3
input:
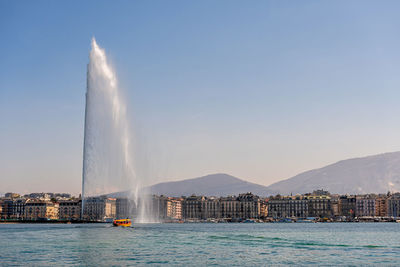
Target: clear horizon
column 261, row 92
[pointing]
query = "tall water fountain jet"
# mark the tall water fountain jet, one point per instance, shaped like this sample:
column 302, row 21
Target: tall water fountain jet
column 107, row 160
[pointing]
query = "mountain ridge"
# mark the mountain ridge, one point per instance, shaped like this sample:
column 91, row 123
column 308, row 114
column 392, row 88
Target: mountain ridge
column 219, row 184
column 371, row 174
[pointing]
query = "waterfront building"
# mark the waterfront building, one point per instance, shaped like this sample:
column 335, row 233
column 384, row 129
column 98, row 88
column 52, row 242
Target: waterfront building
column 99, row 208
column 18, row 208
column 289, row 206
column 193, row 207
column 365, row 205
column 2, row 217
column 335, row 205
column 394, row 205
column 249, row 206
column 70, row 209
column 278, row 207
column 174, row 209
column 347, row 206
column 12, row 208
column 244, row 206
column 319, row 205
column 41, row 210
column 381, row 206
column 263, row 208
column 211, row 207
column 6, row 208
column 229, row 207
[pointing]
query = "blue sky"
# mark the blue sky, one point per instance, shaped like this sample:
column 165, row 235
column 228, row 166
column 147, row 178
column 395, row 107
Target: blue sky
column 261, row 90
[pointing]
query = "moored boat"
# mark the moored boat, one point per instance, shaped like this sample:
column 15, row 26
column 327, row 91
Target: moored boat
column 123, row 222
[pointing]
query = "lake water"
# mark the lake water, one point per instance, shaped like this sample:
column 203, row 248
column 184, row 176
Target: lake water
column 201, row 244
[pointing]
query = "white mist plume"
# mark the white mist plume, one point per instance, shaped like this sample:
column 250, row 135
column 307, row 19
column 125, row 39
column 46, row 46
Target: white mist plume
column 107, row 161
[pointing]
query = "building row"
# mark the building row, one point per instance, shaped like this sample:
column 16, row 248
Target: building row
column 319, row 204
column 231, row 208
column 332, row 206
column 102, row 208
column 35, row 209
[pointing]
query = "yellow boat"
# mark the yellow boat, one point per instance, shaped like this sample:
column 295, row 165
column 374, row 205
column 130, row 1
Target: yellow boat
column 123, row 222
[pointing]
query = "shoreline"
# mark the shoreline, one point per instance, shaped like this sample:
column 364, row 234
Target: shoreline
column 270, row 222
column 48, row 222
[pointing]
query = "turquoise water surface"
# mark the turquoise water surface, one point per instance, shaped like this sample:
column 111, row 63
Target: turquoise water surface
column 200, row 244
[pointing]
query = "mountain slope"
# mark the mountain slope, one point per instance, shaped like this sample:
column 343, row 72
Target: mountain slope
column 372, row 174
column 211, row 185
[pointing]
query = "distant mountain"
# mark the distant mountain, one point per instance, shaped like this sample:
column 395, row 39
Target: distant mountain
column 211, row 185
column 372, row 174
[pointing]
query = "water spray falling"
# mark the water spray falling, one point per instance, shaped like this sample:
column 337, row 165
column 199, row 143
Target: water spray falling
column 107, row 162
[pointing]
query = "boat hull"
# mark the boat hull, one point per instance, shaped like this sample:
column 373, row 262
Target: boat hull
column 123, row 223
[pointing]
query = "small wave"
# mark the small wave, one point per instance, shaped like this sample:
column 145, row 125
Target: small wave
column 373, row 246
column 247, row 238
column 316, row 244
column 157, row 262
column 281, row 242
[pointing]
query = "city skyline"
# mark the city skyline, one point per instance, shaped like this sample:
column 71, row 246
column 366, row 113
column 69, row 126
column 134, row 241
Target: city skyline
column 262, row 91
column 318, row 206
